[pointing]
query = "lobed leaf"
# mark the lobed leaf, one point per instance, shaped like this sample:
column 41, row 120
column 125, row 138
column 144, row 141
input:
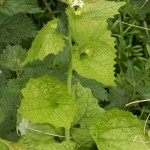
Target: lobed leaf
column 46, row 100
column 118, row 130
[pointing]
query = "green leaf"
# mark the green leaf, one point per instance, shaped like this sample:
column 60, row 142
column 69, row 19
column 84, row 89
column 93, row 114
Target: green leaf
column 87, row 110
column 47, row 41
column 15, row 28
column 82, row 136
column 13, row 57
column 98, row 90
column 39, row 68
column 144, row 91
column 62, row 146
column 36, row 141
column 11, row 7
column 94, row 52
column 87, row 106
column 141, row 7
column 3, row 145
column 117, row 98
column 46, row 100
column 9, row 102
column 118, row 130
column 59, row 146
column 53, row 146
column 101, row 9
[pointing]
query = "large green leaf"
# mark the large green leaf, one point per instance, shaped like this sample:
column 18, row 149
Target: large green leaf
column 94, row 52
column 47, row 41
column 46, row 100
column 118, row 130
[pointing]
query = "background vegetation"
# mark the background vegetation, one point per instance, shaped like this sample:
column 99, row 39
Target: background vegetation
column 19, row 23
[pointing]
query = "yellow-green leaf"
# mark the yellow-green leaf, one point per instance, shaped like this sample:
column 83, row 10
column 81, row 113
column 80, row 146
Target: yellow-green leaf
column 47, row 41
column 46, row 100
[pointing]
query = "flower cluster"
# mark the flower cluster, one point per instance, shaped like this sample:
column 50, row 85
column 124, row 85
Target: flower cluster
column 79, row 3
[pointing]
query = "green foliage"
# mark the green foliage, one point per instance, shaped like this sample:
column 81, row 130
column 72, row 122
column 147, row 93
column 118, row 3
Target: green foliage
column 13, row 58
column 132, row 62
column 97, row 88
column 20, row 25
column 1, row 2
column 21, row 6
column 5, row 145
column 141, row 7
column 48, row 41
column 94, row 50
column 87, row 110
column 87, row 106
column 46, row 101
column 122, row 131
column 55, row 93
column 8, row 106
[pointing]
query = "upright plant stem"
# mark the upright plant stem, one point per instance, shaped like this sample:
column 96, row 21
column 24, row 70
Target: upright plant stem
column 69, row 78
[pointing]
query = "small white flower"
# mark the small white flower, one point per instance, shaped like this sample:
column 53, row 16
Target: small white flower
column 79, row 3
column 0, row 71
column 75, row 3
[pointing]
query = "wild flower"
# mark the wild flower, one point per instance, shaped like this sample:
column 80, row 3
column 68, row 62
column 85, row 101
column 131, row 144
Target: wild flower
column 79, row 3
